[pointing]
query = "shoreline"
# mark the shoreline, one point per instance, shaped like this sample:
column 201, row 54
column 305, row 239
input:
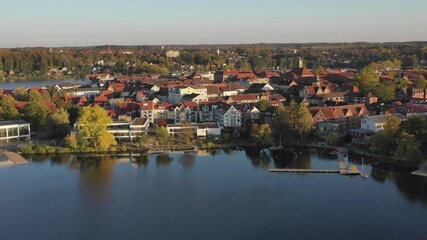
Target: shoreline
column 165, row 149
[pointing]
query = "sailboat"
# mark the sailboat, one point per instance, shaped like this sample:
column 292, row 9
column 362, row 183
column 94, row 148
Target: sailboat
column 363, row 174
column 279, row 147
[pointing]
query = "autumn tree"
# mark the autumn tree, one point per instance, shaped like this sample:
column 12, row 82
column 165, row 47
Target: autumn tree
column 420, row 82
column 296, row 119
column 92, row 128
column 20, row 94
column 34, row 96
column 162, row 135
column 304, row 121
column 8, row 110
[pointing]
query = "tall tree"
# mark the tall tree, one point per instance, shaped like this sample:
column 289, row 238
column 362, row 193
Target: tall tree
column 59, row 120
column 36, row 113
column 162, row 135
column 368, row 79
column 92, row 128
column 304, row 121
column 407, row 148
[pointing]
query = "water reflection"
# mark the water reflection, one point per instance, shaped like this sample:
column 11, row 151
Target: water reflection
column 187, row 160
column 292, row 158
column 96, row 172
column 163, row 160
column 260, row 158
column 96, row 176
column 141, row 160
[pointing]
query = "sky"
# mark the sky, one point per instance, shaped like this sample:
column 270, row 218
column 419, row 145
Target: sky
column 48, row 23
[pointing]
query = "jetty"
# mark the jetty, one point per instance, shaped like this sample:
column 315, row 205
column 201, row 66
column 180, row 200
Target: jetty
column 343, row 168
column 15, row 158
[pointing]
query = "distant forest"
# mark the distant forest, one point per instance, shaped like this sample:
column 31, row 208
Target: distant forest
column 77, row 62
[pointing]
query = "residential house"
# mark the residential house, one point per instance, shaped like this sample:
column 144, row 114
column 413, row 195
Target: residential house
column 346, row 116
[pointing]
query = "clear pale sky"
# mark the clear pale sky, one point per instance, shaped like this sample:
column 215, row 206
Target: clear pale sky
column 29, row 23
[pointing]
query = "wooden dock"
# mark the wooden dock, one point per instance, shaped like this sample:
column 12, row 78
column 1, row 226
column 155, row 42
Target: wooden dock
column 294, row 170
column 15, row 158
column 343, row 170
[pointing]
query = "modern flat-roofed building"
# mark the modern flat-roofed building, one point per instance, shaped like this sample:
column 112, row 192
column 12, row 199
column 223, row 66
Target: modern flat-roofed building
column 124, row 130
column 200, row 130
column 14, row 130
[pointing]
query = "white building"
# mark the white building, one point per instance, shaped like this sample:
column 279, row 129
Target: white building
column 376, row 123
column 200, row 130
column 228, row 116
column 175, row 94
column 126, row 130
column 14, row 130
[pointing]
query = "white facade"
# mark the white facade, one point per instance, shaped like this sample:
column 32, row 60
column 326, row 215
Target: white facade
column 376, row 123
column 176, row 93
column 201, row 130
column 229, row 118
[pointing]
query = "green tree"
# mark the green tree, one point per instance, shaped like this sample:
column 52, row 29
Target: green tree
column 36, row 113
column 92, row 128
column 367, row 79
column 386, row 93
column 332, row 139
column 384, row 141
column 408, row 148
column 417, row 126
column 59, row 120
column 263, row 105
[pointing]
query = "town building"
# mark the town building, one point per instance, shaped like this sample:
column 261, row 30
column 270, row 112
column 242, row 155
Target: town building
column 14, row 130
column 200, row 130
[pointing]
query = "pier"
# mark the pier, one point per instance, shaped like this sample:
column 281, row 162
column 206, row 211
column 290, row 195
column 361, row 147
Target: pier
column 343, row 170
column 15, row 158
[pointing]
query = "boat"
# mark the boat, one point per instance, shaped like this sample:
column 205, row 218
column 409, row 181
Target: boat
column 363, row 174
column 278, row 147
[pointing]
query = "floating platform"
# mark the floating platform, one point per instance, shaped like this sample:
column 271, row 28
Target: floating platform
column 15, row 158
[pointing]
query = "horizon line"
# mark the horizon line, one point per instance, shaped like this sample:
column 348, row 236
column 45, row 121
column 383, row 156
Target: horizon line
column 223, row 44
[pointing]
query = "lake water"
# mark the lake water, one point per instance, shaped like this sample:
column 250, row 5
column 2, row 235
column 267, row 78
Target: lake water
column 210, row 195
column 37, row 83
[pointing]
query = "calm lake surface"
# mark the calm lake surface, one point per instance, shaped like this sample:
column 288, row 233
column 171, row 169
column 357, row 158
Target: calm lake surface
column 210, row 195
column 37, row 83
